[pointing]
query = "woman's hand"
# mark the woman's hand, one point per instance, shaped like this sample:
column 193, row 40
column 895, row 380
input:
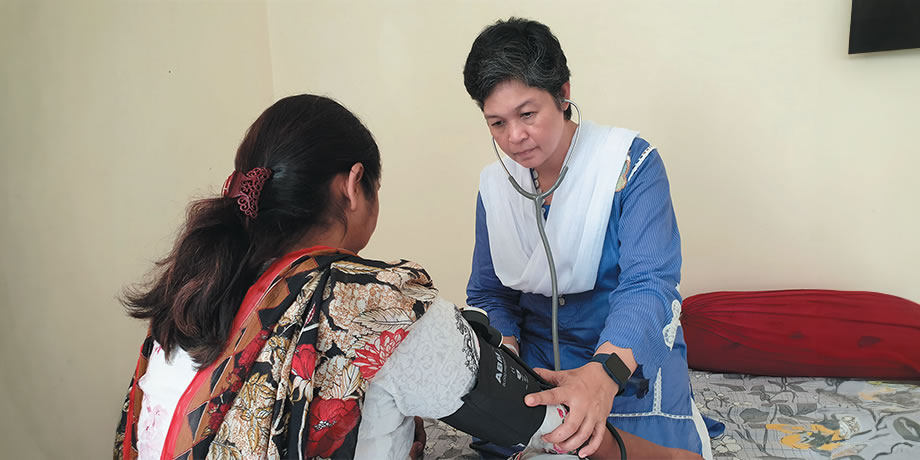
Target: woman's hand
column 418, row 444
column 588, row 392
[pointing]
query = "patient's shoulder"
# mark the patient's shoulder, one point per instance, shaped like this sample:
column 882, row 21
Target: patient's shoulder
column 403, row 276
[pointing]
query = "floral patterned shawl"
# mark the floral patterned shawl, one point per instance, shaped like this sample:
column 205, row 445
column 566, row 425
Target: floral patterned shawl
column 310, row 334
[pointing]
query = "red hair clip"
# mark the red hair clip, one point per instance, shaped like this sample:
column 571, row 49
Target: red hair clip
column 246, row 188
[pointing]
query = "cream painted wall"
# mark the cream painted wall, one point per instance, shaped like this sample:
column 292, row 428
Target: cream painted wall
column 114, row 114
column 791, row 163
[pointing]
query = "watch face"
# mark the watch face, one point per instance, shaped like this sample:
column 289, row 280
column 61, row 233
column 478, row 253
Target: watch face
column 616, row 365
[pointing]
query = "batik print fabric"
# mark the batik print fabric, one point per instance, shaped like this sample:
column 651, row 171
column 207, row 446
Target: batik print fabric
column 311, row 333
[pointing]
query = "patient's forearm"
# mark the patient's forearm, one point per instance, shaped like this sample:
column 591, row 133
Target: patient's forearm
column 638, row 448
column 512, row 343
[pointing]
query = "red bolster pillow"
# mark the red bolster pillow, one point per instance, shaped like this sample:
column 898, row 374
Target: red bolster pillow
column 804, row 333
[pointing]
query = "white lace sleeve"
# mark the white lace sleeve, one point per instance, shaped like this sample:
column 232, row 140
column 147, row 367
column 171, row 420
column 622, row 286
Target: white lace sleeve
column 429, row 372
column 434, row 366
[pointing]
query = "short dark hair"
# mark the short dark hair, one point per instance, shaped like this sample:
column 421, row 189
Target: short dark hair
column 194, row 294
column 516, row 49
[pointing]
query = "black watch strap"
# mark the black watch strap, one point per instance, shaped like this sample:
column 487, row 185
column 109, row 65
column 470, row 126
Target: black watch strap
column 615, row 367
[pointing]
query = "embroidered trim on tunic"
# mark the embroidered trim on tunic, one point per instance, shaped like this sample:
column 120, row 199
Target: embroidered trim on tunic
column 670, row 330
column 656, row 406
column 639, row 163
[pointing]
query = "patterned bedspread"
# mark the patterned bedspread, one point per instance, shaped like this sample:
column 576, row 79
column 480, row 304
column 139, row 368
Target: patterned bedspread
column 807, row 418
column 783, row 418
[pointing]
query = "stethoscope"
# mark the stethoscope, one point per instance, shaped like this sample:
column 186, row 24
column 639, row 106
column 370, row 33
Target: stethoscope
column 538, row 199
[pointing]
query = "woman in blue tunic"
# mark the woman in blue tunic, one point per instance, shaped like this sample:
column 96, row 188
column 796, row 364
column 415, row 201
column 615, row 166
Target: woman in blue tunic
column 615, row 242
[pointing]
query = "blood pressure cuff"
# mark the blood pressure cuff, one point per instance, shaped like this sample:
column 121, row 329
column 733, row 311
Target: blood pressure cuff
column 494, row 409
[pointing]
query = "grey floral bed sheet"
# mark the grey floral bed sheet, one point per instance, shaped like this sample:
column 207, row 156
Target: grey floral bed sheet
column 808, row 418
column 446, row 442
column 782, row 418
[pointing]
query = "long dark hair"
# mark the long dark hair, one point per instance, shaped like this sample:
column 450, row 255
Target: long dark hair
column 197, row 288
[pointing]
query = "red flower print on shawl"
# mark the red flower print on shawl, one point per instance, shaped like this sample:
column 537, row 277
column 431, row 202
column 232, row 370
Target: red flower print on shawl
column 371, row 358
column 217, row 412
column 330, row 421
column 304, row 361
column 244, row 361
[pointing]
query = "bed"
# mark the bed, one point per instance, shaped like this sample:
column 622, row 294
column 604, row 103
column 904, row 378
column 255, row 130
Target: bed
column 810, row 418
column 735, row 340
column 782, row 418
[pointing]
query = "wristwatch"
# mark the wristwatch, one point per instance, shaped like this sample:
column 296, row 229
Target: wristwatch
column 616, row 369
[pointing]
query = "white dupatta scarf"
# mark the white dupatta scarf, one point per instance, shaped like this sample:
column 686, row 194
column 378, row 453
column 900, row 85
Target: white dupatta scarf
column 576, row 225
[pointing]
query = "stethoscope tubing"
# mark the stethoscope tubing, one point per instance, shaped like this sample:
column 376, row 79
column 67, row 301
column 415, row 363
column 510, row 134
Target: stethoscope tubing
column 539, row 198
